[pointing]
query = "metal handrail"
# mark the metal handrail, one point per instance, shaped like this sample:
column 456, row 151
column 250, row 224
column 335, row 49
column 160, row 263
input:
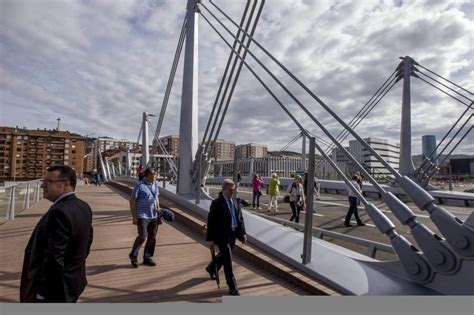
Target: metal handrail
column 372, row 246
column 11, row 204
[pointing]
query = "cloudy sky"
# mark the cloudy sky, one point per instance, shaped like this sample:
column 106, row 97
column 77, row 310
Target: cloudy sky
column 98, row 64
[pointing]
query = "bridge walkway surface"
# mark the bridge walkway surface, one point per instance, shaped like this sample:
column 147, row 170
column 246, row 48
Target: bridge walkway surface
column 181, row 255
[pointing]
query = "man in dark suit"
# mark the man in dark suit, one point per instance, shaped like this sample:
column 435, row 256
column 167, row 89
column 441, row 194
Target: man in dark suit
column 224, row 224
column 54, row 264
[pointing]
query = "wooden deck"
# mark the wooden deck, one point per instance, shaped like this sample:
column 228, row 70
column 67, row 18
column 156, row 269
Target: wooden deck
column 181, row 256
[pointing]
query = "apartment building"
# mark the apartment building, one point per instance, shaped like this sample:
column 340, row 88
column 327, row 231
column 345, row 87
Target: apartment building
column 26, row 154
column 170, row 143
column 250, row 150
column 223, row 150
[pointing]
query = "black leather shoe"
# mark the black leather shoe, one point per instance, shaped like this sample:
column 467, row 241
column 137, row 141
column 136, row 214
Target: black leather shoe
column 149, row 262
column 347, row 224
column 360, row 224
column 211, row 273
column 133, row 261
column 234, row 292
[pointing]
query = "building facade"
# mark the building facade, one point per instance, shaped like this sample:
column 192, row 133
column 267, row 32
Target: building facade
column 389, row 151
column 107, row 143
column 428, row 147
column 170, row 143
column 26, row 154
column 159, row 162
column 283, row 166
column 462, row 166
column 88, row 163
column 222, row 150
column 252, row 150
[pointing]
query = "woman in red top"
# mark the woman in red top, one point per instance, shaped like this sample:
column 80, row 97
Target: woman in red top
column 140, row 171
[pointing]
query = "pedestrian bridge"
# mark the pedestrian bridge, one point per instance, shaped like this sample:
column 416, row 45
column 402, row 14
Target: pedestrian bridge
column 181, row 255
column 270, row 264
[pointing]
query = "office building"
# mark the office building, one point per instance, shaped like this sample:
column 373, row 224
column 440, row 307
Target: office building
column 389, row 151
column 428, row 145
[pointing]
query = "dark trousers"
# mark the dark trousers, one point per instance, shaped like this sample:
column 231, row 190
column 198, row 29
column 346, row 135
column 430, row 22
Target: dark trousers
column 256, row 196
column 295, row 209
column 224, row 258
column 352, row 210
column 147, row 230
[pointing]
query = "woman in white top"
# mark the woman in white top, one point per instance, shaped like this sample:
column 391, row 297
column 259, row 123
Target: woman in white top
column 296, row 198
column 353, row 203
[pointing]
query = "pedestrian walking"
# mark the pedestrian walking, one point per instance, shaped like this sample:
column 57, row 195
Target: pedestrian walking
column 297, row 200
column 353, row 203
column 257, row 183
column 273, row 192
column 305, row 185
column 145, row 208
column 140, row 172
column 225, row 224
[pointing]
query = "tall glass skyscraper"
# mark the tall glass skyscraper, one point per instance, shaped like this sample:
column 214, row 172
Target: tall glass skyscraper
column 428, row 143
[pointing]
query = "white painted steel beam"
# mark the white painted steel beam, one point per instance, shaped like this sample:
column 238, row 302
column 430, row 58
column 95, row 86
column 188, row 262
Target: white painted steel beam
column 188, row 129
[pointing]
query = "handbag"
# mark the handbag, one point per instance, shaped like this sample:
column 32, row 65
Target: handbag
column 167, row 214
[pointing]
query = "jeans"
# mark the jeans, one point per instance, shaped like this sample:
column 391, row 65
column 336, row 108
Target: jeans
column 352, row 210
column 147, row 230
column 295, row 209
column 256, row 196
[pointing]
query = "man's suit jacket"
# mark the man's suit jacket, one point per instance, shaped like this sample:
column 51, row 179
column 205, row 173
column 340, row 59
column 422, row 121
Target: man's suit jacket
column 54, row 262
column 219, row 221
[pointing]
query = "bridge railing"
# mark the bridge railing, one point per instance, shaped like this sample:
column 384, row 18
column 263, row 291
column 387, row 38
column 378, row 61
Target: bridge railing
column 372, row 247
column 15, row 198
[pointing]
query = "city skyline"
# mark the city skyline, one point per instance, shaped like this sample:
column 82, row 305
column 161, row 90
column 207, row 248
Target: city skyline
column 98, row 65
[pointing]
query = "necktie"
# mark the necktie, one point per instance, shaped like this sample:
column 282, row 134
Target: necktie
column 232, row 213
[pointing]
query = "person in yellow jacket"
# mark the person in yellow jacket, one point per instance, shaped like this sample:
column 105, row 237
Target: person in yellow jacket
column 273, row 192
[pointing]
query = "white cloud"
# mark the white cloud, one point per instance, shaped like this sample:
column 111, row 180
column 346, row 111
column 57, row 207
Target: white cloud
column 99, row 64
